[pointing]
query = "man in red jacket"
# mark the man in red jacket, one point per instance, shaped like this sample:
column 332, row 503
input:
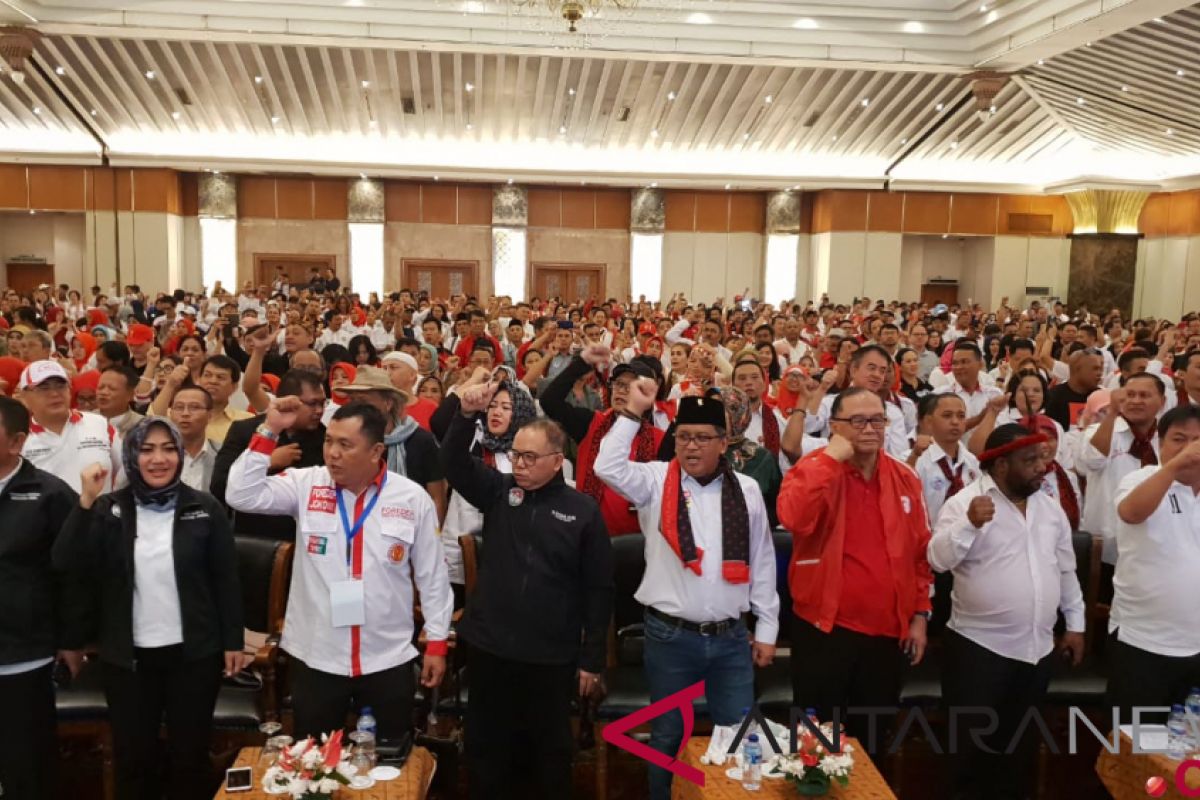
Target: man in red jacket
column 859, row 577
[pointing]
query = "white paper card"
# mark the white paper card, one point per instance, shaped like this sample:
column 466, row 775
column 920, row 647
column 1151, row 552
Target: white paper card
column 346, row 604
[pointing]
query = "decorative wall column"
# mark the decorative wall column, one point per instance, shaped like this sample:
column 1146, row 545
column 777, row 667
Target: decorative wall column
column 1104, row 248
column 510, row 219
column 364, row 221
column 785, row 271
column 218, row 230
column 647, row 223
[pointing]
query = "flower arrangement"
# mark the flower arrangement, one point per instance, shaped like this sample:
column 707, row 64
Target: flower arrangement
column 311, row 771
column 813, row 768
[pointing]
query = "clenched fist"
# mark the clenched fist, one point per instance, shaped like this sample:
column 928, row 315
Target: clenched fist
column 981, row 511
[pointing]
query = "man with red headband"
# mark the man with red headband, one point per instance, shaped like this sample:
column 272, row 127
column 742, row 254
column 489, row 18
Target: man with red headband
column 1009, row 547
column 709, row 561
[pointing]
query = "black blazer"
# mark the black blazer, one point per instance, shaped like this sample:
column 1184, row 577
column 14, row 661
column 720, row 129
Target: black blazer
column 265, row 526
column 99, row 541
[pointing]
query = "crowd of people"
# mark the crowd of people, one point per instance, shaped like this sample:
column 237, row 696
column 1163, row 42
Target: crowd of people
column 142, row 432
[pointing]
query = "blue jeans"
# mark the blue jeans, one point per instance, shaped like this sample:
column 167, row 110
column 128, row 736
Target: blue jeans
column 675, row 659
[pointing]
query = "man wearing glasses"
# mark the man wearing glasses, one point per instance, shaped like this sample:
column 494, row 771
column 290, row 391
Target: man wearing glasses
column 859, row 576
column 537, row 622
column 709, row 560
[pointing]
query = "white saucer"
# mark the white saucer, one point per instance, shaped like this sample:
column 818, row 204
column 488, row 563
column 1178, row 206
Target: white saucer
column 274, row 789
column 385, row 773
column 362, row 781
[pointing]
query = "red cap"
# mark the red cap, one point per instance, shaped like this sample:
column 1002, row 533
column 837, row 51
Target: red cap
column 647, row 329
column 139, row 334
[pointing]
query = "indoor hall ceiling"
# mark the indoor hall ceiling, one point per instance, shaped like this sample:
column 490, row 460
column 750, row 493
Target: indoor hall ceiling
column 319, row 104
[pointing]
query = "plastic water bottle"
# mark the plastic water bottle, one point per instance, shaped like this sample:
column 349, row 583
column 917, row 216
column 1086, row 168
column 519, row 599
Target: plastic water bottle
column 1192, row 707
column 366, row 721
column 752, row 758
column 752, row 728
column 1177, row 734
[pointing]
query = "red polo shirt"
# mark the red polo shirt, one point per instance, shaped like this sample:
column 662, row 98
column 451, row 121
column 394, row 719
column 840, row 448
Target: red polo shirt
column 868, row 601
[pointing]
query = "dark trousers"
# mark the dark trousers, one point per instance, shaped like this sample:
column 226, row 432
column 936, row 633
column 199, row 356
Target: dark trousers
column 161, row 686
column 321, row 700
column 675, row 659
column 28, row 745
column 1139, row 678
column 844, row 669
column 518, row 712
column 975, row 677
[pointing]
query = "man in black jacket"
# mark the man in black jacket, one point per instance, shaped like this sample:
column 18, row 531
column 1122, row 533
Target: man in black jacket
column 538, row 619
column 300, row 446
column 41, row 612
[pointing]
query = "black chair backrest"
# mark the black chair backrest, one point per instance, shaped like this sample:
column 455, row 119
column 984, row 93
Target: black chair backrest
column 783, row 559
column 256, row 565
column 1082, row 543
column 629, row 565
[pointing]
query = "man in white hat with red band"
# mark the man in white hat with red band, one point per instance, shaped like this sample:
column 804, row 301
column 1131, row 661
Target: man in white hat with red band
column 403, row 370
column 63, row 441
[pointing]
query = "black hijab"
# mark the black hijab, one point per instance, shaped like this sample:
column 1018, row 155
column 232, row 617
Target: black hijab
column 164, row 496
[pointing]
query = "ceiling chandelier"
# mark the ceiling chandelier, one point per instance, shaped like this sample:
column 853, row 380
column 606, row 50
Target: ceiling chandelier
column 573, row 10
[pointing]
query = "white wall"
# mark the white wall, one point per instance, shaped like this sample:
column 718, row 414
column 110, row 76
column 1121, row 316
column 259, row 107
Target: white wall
column 705, row 266
column 1168, row 277
column 58, row 238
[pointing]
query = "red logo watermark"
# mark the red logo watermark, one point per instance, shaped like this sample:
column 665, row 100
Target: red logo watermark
column 1157, row 785
column 615, row 732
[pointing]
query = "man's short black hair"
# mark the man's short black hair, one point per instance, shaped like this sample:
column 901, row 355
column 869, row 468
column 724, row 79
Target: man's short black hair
column 969, row 347
column 1144, row 376
column 889, row 326
column 226, row 363
column 1179, row 415
column 117, row 352
column 191, row 387
column 294, row 381
column 127, row 372
column 1021, row 344
column 846, row 394
column 516, row 323
column 862, row 352
column 928, row 405
column 1131, row 355
column 374, row 425
column 14, row 416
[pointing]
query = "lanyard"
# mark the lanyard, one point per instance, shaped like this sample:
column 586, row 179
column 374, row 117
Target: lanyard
column 353, row 531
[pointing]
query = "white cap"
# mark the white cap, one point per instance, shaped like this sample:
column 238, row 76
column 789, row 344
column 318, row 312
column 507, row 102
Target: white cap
column 40, row 371
column 403, row 358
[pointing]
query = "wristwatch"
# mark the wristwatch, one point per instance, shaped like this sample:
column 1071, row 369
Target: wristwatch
column 926, row 614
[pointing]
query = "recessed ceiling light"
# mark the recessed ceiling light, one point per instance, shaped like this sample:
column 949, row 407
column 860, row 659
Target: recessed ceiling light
column 562, row 129
column 728, row 186
column 914, row 27
column 366, row 84
column 470, row 126
column 1159, row 19
column 769, row 99
column 866, row 101
column 275, row 121
column 175, row 115
column 746, row 135
column 510, row 181
column 983, row 9
column 37, row 109
column 1179, row 73
column 93, row 112
column 436, row 178
column 699, row 18
column 1041, row 62
column 954, row 145
column 470, row 87
column 59, row 71
column 362, row 175
column 939, row 106
column 571, row 91
column 1170, row 132
column 1087, row 44
column 150, row 74
column 258, row 78
column 1079, row 101
column 806, row 24
column 654, row 134
column 904, row 141
column 1124, row 88
column 654, row 185
column 834, row 137
column 796, row 188
column 671, row 95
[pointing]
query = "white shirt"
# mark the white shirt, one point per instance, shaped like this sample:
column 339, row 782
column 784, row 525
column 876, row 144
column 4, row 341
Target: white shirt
column 23, row 666
column 463, row 518
column 667, row 584
column 341, row 336
column 1155, row 591
column 975, row 401
column 383, row 339
column 398, row 542
column 1104, row 474
column 1011, row 576
column 86, row 439
column 896, row 439
column 198, row 470
column 934, row 483
column 157, row 619
column 791, row 353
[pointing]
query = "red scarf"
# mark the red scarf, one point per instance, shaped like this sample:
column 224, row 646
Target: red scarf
column 644, row 449
column 676, row 524
column 952, row 475
column 770, row 430
column 1143, row 447
column 1066, row 494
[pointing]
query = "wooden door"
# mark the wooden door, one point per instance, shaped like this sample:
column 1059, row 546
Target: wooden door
column 439, row 278
column 934, row 293
column 571, row 282
column 25, row 278
column 296, row 267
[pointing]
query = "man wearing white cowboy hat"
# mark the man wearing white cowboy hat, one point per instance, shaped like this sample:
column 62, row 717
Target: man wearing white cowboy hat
column 411, row 451
column 63, row 441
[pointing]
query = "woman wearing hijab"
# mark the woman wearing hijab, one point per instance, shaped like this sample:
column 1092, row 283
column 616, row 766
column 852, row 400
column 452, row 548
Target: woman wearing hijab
column 83, row 345
column 746, row 456
column 162, row 559
column 510, row 408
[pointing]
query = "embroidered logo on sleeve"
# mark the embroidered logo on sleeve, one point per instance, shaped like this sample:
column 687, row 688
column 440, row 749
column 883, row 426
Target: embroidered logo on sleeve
column 317, row 545
column 322, row 499
column 904, row 501
column 396, row 553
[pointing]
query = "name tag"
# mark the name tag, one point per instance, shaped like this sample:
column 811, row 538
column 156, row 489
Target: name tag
column 193, row 515
column 25, row 495
column 347, row 606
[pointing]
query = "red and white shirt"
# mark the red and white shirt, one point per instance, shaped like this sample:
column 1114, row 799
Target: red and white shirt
column 86, row 439
column 397, row 544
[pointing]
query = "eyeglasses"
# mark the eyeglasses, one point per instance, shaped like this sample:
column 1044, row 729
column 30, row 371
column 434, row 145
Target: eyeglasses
column 190, row 408
column 698, row 439
column 859, row 423
column 529, row 459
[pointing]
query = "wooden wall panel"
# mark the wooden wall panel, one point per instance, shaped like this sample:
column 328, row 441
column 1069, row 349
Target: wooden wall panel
column 293, row 198
column 57, row 188
column 402, row 202
column 14, row 186
column 439, row 204
column 1184, row 214
column 578, row 208
column 123, row 180
column 155, row 190
column 189, row 194
column 848, row 210
column 747, row 212
column 256, row 197
column 926, row 212
column 612, row 209
column 806, row 212
column 885, row 212
column 331, row 199
column 974, row 214
column 680, row 209
column 822, row 213
column 102, row 189
column 712, row 212
column 1156, row 213
column 474, row 205
column 1057, row 207
column 545, row 208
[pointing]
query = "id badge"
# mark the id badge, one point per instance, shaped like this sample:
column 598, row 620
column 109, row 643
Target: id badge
column 347, row 606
